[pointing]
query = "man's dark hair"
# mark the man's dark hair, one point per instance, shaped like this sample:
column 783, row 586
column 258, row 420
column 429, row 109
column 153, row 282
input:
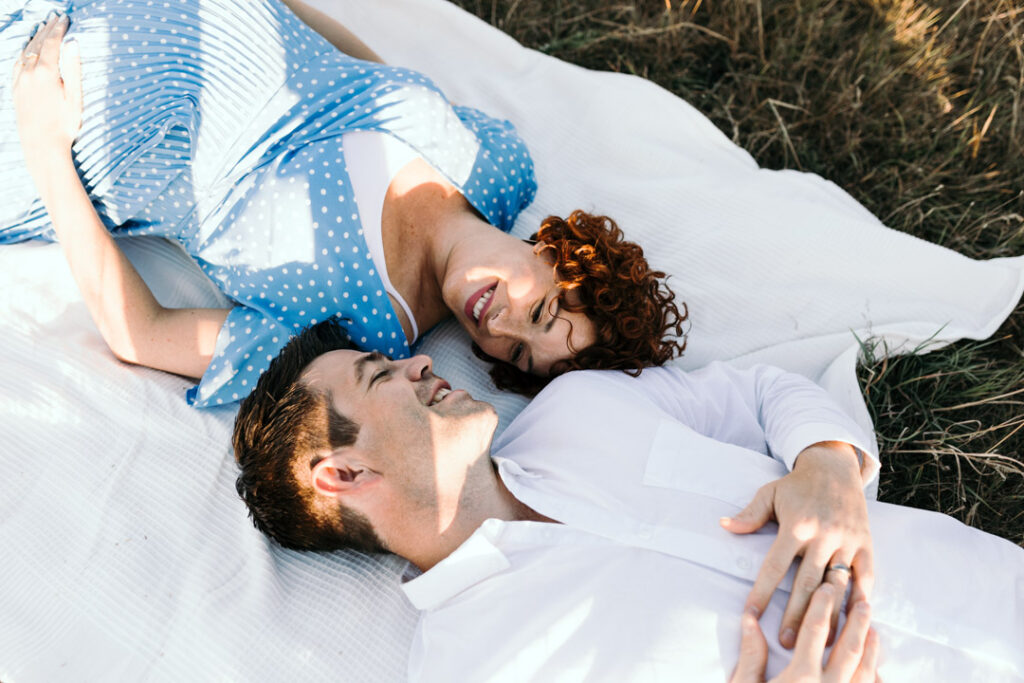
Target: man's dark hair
column 281, row 431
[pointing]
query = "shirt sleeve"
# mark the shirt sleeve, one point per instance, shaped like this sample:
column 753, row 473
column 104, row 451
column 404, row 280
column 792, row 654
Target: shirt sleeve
column 761, row 408
column 502, row 183
column 247, row 342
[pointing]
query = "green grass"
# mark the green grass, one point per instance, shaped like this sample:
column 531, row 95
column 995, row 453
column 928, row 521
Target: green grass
column 917, row 110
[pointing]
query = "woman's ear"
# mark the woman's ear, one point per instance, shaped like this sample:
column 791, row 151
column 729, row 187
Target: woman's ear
column 341, row 472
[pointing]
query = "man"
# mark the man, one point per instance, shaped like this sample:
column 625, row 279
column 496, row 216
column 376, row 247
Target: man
column 638, row 580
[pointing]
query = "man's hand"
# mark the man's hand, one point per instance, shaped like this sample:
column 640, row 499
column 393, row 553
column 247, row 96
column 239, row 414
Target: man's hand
column 853, row 659
column 47, row 100
column 822, row 517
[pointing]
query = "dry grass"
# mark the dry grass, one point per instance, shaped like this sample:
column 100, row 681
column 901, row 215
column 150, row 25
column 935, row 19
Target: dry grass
column 917, row 109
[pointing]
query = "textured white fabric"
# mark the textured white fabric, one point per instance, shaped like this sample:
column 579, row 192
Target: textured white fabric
column 126, row 553
column 640, row 583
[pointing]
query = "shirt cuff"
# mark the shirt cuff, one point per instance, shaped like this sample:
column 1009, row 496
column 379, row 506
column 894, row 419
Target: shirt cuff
column 809, row 434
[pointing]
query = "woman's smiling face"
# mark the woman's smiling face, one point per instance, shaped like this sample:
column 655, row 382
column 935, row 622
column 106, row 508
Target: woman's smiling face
column 503, row 292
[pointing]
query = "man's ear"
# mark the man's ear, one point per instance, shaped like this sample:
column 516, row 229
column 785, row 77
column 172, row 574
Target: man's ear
column 340, row 473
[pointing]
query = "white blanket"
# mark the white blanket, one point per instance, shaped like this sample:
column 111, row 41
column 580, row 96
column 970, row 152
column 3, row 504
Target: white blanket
column 126, row 553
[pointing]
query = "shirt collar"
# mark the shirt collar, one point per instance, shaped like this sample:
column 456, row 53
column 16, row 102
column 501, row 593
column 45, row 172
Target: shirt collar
column 510, row 468
column 478, row 558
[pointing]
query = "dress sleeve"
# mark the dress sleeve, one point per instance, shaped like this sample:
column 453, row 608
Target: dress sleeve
column 247, row 343
column 502, row 183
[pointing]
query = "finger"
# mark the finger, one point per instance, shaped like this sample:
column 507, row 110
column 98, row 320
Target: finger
column 867, row 671
column 863, row 579
column 50, row 50
column 810, row 641
column 753, row 652
column 848, row 652
column 759, row 511
column 776, row 563
column 838, row 574
column 30, row 54
column 808, row 578
column 34, row 46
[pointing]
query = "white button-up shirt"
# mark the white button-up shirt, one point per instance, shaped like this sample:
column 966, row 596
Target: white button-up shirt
column 640, row 582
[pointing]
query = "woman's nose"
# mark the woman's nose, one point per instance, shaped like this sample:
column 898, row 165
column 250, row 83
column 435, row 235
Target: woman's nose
column 501, row 324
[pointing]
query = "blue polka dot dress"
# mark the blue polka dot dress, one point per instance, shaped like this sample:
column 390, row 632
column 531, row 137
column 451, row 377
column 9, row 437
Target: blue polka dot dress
column 218, row 124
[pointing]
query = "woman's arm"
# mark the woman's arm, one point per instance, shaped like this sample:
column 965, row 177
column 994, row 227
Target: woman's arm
column 135, row 326
column 336, row 34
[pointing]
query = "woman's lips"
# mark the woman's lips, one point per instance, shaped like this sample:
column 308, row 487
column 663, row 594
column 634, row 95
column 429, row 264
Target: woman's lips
column 472, row 301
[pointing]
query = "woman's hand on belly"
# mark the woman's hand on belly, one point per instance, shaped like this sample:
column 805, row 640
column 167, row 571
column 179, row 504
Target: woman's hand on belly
column 133, row 323
column 48, row 106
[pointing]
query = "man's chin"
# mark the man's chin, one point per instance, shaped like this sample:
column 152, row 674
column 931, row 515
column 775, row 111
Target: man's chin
column 472, row 419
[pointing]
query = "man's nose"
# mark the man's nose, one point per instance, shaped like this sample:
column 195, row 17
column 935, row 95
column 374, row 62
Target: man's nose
column 418, row 367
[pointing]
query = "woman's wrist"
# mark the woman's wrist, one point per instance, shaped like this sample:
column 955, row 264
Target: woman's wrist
column 49, row 166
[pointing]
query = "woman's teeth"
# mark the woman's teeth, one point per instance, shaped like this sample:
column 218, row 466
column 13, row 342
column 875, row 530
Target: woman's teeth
column 441, row 393
column 478, row 307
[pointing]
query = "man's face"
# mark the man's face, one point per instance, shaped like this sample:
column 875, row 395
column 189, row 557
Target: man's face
column 417, row 439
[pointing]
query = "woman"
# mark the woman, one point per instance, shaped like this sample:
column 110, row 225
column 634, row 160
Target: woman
column 307, row 185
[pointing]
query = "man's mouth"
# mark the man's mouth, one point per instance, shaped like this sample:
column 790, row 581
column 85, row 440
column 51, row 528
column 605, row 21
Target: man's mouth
column 442, row 390
column 478, row 304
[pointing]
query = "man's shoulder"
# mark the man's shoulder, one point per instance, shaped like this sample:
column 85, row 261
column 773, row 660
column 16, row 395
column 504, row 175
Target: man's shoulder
column 655, row 383
column 581, row 378
column 578, row 380
column 578, row 398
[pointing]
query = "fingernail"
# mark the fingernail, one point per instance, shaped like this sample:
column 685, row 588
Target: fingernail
column 788, row 638
column 724, row 520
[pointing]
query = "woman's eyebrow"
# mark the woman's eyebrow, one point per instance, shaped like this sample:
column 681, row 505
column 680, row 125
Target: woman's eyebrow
column 547, row 329
column 554, row 316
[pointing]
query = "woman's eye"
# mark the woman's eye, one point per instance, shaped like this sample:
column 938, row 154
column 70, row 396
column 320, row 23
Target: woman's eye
column 517, row 353
column 535, row 316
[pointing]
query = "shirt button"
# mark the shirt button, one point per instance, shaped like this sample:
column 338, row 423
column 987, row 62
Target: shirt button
column 744, row 563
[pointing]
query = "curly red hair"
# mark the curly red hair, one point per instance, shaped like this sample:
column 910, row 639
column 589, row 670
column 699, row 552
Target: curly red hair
column 637, row 321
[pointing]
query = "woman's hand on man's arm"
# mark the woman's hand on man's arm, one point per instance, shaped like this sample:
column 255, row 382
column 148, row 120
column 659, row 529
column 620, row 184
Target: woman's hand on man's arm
column 48, row 105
